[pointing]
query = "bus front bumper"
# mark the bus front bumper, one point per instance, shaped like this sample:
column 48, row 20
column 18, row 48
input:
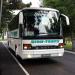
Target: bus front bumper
column 44, row 53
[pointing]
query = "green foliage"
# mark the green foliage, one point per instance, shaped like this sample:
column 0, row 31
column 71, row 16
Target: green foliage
column 18, row 5
column 6, row 16
column 68, row 43
column 62, row 5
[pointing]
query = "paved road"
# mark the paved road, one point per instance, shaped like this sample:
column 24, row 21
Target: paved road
column 52, row 66
column 8, row 66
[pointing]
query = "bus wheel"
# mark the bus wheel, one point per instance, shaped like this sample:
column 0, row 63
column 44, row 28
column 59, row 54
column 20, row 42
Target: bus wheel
column 8, row 43
column 16, row 50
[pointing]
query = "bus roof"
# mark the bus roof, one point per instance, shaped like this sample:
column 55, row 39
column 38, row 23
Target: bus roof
column 41, row 8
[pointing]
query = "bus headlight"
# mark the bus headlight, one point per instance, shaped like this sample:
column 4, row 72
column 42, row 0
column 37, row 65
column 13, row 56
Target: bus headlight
column 26, row 46
column 29, row 56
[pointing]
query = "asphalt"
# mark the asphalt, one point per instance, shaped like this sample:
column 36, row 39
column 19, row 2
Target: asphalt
column 53, row 66
column 8, row 65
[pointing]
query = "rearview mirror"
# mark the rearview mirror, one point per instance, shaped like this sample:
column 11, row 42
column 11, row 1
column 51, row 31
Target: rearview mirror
column 66, row 18
column 20, row 18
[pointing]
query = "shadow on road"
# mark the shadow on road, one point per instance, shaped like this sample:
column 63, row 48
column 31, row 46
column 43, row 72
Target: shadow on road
column 39, row 61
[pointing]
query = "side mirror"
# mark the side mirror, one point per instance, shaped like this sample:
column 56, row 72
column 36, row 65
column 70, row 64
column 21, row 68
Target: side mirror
column 21, row 18
column 66, row 18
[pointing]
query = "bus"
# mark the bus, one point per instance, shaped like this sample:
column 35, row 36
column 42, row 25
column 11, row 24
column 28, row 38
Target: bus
column 37, row 33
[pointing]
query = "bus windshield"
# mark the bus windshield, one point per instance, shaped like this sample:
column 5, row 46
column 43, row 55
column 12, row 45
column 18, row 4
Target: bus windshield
column 41, row 22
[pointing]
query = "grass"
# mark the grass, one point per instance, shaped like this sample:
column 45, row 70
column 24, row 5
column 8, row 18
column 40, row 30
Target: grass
column 68, row 43
column 68, row 46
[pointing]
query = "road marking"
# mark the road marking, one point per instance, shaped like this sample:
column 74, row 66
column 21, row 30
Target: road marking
column 24, row 70
column 70, row 52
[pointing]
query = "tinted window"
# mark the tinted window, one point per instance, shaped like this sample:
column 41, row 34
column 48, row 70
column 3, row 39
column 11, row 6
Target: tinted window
column 14, row 23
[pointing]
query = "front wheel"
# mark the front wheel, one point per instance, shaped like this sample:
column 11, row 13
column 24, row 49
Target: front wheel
column 8, row 43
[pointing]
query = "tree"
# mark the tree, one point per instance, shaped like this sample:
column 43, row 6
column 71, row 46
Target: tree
column 6, row 16
column 18, row 5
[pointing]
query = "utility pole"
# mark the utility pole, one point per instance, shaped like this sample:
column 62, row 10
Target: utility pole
column 1, row 2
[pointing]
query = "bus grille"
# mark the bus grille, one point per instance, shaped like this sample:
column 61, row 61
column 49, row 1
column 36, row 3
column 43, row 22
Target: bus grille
column 45, row 47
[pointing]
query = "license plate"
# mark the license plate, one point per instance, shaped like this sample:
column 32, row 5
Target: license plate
column 45, row 55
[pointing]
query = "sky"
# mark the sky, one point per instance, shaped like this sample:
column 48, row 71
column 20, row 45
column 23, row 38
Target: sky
column 35, row 3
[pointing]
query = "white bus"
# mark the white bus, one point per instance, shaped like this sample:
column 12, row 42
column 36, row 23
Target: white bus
column 37, row 33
